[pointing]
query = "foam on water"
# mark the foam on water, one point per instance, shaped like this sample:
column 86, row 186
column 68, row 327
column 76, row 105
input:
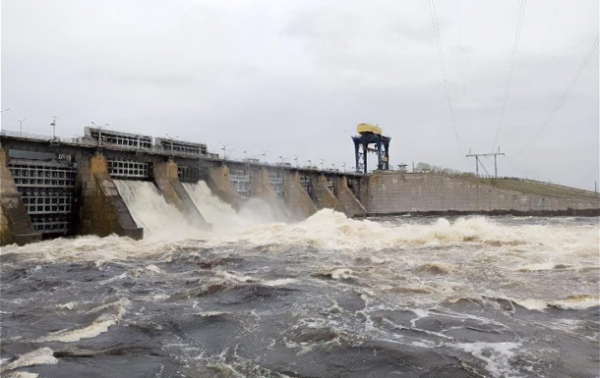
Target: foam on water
column 22, row 374
column 97, row 327
column 42, row 356
column 496, row 356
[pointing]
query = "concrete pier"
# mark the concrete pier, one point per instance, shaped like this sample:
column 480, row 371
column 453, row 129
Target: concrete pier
column 15, row 224
column 220, row 184
column 102, row 211
column 167, row 182
column 351, row 204
column 262, row 188
column 323, row 196
column 296, row 197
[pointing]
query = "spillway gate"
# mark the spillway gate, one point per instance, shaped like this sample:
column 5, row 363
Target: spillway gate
column 47, row 189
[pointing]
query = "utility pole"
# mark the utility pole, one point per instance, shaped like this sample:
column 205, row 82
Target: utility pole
column 100, row 132
column 478, row 161
column 224, row 148
column 53, row 124
column 21, row 124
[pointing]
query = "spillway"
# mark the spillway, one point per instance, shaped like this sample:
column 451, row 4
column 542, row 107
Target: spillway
column 150, row 211
column 212, row 208
column 222, row 216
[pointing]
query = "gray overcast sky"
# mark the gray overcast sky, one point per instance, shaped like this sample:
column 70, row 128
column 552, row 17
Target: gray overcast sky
column 296, row 77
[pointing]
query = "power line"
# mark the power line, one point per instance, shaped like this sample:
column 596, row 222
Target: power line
column 436, row 31
column 511, row 68
column 565, row 93
column 479, row 163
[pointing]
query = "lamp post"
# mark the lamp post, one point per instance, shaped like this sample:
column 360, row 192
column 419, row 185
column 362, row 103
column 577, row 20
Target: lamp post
column 171, row 140
column 224, row 148
column 53, row 124
column 99, row 132
column 21, row 124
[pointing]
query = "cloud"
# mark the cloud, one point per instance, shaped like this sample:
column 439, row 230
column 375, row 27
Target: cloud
column 296, row 77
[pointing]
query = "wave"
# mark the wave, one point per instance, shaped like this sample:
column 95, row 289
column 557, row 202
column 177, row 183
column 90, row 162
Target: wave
column 571, row 302
column 42, row 356
column 97, row 327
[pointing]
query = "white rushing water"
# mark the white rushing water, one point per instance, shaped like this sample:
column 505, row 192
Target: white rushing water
column 214, row 210
column 222, row 216
column 160, row 220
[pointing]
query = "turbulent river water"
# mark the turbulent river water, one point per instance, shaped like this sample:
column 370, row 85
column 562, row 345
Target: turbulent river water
column 325, row 297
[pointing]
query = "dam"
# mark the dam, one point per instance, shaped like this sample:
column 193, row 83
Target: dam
column 242, row 269
column 55, row 187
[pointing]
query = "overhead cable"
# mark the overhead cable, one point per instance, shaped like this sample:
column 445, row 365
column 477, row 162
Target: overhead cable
column 565, row 93
column 511, row 68
column 436, row 31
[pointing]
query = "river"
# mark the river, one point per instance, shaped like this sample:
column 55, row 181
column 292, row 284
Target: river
column 325, row 297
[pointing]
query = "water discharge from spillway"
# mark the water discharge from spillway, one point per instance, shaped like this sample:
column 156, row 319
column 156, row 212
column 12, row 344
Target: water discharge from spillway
column 163, row 221
column 327, row 296
column 151, row 211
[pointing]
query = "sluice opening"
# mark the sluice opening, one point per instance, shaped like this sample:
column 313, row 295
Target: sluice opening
column 240, row 178
column 306, row 182
column 277, row 182
column 189, row 174
column 128, row 169
column 48, row 192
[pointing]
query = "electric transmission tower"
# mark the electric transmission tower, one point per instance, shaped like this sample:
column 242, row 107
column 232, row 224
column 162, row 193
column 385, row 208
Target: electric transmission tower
column 478, row 161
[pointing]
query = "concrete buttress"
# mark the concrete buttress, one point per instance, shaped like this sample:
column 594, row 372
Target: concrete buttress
column 103, row 211
column 15, row 224
column 167, row 181
column 352, row 206
column 262, row 188
column 219, row 182
column 296, row 197
column 323, row 196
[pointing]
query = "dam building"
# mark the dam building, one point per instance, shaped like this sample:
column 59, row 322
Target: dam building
column 52, row 187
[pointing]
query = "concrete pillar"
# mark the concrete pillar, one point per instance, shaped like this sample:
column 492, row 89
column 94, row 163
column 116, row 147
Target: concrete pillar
column 296, row 197
column 167, row 181
column 352, row 206
column 262, row 188
column 220, row 184
column 103, row 211
column 324, row 197
column 15, row 224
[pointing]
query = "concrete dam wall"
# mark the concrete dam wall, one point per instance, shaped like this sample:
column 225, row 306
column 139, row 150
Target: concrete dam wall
column 102, row 195
column 51, row 189
column 399, row 192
